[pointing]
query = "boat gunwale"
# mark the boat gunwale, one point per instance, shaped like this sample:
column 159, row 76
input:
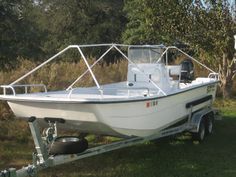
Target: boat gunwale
column 101, row 101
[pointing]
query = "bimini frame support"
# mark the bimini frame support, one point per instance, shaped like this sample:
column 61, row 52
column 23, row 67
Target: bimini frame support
column 117, row 47
column 80, row 77
column 190, row 57
column 89, row 68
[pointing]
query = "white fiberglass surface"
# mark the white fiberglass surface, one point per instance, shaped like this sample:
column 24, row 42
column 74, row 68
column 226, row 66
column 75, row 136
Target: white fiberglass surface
column 198, row 81
column 117, row 91
column 110, row 91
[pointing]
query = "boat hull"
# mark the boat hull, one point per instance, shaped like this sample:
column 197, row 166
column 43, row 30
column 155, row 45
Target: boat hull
column 118, row 118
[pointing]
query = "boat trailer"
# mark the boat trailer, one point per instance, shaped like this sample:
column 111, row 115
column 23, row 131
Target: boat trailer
column 198, row 123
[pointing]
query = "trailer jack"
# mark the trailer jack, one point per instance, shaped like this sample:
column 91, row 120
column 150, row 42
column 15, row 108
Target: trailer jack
column 40, row 157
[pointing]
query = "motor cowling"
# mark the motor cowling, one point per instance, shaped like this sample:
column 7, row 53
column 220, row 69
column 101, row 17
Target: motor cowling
column 187, row 70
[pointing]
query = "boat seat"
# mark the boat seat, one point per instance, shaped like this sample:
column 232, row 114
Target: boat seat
column 174, row 72
column 140, row 75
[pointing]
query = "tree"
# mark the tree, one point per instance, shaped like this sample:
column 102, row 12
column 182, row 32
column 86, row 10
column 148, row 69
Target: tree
column 81, row 22
column 9, row 18
column 36, row 29
column 19, row 34
column 153, row 21
column 215, row 27
column 208, row 29
column 24, row 31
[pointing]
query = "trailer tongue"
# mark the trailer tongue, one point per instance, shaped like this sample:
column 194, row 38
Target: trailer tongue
column 199, row 124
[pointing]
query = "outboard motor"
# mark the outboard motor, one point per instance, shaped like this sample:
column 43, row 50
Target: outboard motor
column 187, row 70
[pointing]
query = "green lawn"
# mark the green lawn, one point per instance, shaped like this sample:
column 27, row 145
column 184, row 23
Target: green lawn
column 169, row 157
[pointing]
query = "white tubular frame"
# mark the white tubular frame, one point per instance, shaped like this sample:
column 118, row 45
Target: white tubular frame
column 89, row 68
column 70, row 87
column 190, row 57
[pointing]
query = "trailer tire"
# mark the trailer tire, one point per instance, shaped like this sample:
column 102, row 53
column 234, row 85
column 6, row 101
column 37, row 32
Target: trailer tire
column 200, row 135
column 209, row 125
column 68, row 145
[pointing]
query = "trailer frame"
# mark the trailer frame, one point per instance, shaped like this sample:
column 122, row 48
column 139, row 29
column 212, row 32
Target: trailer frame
column 41, row 159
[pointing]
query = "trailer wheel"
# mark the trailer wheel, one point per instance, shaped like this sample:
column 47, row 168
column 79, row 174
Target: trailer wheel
column 68, row 145
column 209, row 125
column 200, row 135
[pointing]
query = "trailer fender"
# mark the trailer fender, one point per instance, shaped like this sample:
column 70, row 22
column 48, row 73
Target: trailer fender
column 197, row 117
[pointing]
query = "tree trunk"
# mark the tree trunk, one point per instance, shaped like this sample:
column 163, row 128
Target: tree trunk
column 227, row 87
column 226, row 70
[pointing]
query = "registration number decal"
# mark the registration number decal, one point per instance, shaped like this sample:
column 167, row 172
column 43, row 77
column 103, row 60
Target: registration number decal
column 151, row 103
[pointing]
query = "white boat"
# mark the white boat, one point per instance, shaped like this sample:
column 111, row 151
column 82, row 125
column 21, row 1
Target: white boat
column 155, row 96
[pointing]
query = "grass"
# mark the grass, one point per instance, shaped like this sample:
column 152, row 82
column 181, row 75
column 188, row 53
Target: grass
column 169, row 157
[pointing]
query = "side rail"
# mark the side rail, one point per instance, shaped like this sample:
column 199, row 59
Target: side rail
column 214, row 76
column 26, row 88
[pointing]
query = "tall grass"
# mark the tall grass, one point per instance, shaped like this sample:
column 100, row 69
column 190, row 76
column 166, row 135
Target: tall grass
column 59, row 75
column 56, row 76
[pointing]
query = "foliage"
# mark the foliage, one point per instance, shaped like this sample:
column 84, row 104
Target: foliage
column 154, row 21
column 208, row 30
column 92, row 23
column 86, row 21
column 213, row 32
column 38, row 29
column 19, row 33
